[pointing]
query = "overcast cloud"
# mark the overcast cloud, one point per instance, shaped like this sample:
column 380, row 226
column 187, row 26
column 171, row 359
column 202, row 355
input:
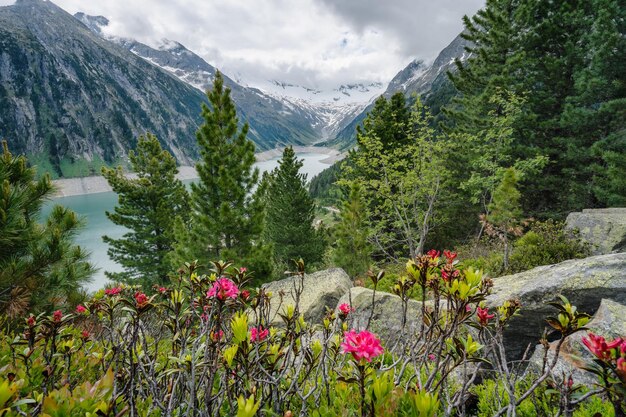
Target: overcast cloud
column 316, row 43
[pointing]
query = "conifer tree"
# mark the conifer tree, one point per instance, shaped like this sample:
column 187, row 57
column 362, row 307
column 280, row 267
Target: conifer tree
column 290, row 214
column 352, row 250
column 505, row 211
column 40, row 266
column 148, row 205
column 227, row 216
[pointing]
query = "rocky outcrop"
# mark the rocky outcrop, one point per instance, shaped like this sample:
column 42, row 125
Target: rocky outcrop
column 609, row 322
column 321, row 289
column 603, row 229
column 386, row 318
column 585, row 282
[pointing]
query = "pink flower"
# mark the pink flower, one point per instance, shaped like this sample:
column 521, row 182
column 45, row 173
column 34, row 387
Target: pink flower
column 434, row 254
column 113, row 291
column 258, row 335
column 243, row 269
column 141, row 299
column 484, row 316
column 362, row 345
column 162, row 290
column 600, row 347
column 621, row 365
column 432, row 357
column 57, row 316
column 223, row 288
column 80, row 309
column 245, row 294
column 468, row 308
column 345, row 309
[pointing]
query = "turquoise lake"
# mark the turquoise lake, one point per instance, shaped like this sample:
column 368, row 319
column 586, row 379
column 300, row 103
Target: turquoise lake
column 92, row 208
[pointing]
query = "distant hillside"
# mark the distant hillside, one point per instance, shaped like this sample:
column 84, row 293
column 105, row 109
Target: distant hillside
column 430, row 82
column 72, row 101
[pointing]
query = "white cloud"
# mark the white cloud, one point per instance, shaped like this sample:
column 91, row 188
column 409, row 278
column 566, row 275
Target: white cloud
column 319, row 43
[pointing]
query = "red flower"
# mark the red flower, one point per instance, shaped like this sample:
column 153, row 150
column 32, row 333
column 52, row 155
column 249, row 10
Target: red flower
column 80, row 309
column 362, row 345
column 600, row 347
column 57, row 316
column 434, row 254
column 447, row 276
column 141, row 299
column 162, row 290
column 223, row 288
column 245, row 294
column 258, row 335
column 449, row 255
column 31, row 321
column 621, row 365
column 345, row 309
column 85, row 334
column 484, row 316
column 113, row 291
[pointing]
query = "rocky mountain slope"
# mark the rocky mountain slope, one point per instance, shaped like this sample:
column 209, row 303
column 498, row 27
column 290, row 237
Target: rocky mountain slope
column 286, row 112
column 70, row 100
column 428, row 81
column 272, row 122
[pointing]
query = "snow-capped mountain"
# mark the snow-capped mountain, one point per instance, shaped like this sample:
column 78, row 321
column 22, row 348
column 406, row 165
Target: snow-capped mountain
column 416, row 78
column 331, row 110
column 310, row 115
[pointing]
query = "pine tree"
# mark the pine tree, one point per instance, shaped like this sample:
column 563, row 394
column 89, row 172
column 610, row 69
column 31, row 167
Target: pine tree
column 227, row 217
column 352, row 250
column 148, row 205
column 40, row 267
column 290, row 214
column 505, row 211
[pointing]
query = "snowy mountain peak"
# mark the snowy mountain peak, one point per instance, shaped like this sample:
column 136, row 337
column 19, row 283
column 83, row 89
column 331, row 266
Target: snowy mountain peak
column 94, row 23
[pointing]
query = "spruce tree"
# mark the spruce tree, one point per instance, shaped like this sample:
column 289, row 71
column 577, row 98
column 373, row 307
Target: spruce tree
column 147, row 207
column 290, row 214
column 40, row 267
column 352, row 250
column 227, row 216
column 505, row 211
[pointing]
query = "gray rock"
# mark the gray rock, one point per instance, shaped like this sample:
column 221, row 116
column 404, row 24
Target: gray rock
column 386, row 320
column 603, row 229
column 321, row 289
column 585, row 282
column 609, row 322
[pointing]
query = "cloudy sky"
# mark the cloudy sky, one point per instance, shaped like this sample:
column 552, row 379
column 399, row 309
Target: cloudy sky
column 317, row 43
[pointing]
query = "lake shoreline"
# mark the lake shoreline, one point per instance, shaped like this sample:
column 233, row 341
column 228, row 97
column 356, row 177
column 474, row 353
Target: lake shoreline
column 66, row 187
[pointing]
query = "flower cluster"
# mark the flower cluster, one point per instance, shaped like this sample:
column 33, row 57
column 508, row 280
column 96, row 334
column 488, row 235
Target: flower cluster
column 113, row 291
column 484, row 316
column 80, row 309
column 258, row 334
column 141, row 299
column 607, row 351
column 362, row 345
column 223, row 288
column 345, row 309
column 57, row 316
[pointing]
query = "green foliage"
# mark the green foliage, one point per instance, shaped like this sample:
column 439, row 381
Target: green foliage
column 323, row 187
column 399, row 165
column 148, row 206
column 226, row 219
column 39, row 264
column 563, row 58
column 491, row 392
column 290, row 212
column 352, row 250
column 545, row 243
